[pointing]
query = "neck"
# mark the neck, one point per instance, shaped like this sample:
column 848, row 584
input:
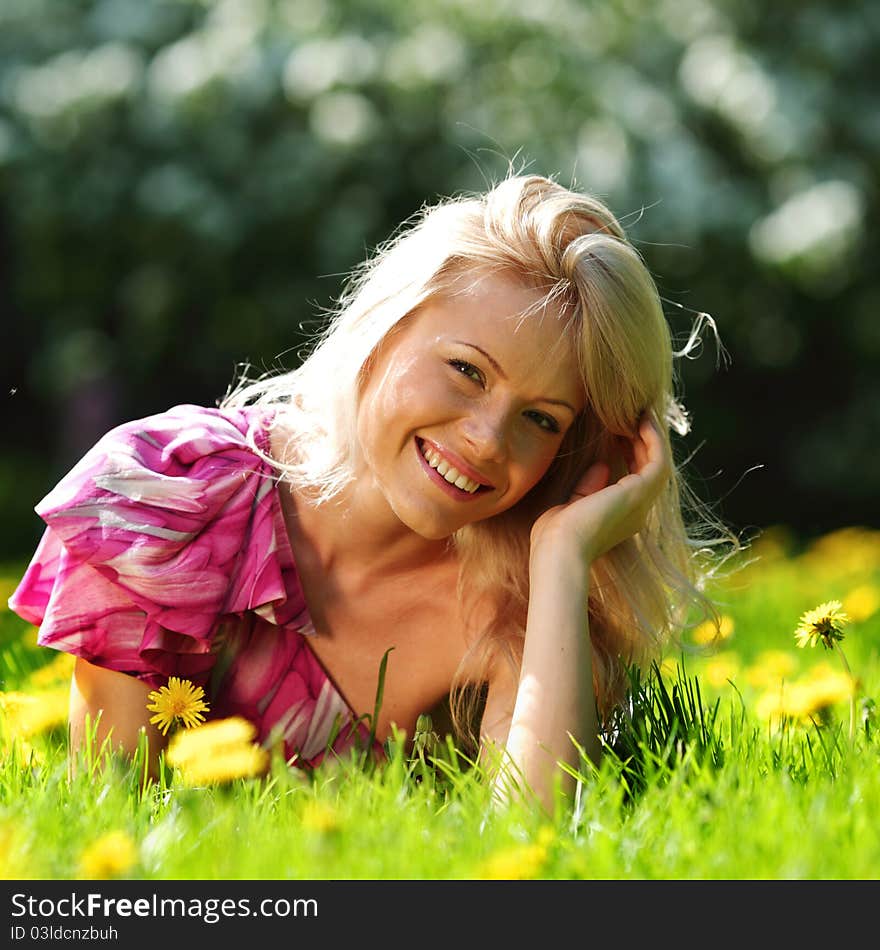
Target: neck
column 356, row 536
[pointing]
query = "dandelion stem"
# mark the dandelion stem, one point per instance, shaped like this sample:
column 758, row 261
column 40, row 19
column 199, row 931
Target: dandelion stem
column 852, row 695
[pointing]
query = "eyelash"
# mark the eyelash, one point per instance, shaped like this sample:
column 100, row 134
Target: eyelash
column 465, row 368
column 541, row 419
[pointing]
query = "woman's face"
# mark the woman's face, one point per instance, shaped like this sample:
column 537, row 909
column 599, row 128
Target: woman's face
column 466, row 405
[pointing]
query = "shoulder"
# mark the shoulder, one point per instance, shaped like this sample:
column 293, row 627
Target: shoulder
column 183, row 434
column 189, row 478
column 166, row 524
column 171, row 460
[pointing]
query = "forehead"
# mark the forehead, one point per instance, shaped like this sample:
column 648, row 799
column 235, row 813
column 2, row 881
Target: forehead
column 492, row 304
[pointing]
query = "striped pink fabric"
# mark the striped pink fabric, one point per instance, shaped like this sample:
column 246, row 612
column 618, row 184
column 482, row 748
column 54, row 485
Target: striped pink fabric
column 165, row 554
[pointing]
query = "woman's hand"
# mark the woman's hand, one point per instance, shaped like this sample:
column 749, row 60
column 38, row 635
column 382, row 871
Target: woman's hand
column 599, row 515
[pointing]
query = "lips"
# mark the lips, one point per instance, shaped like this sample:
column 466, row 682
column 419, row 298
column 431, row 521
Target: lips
column 453, row 473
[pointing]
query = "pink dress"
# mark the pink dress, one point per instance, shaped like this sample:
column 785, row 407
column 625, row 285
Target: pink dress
column 166, row 554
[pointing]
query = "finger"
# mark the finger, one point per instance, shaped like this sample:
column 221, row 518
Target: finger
column 636, row 449
column 649, row 432
column 651, row 440
column 653, row 462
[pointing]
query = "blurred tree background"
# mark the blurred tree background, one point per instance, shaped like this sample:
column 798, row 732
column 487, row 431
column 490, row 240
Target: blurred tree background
column 185, row 183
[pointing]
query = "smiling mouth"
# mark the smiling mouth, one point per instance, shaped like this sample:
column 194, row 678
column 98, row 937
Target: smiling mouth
column 448, row 471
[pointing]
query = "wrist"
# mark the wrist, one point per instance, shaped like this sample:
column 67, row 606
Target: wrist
column 564, row 562
column 558, row 540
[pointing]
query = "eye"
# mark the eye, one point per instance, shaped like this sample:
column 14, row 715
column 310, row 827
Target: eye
column 467, row 369
column 545, row 422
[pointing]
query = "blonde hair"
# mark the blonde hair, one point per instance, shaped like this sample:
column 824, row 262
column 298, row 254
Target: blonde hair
column 569, row 246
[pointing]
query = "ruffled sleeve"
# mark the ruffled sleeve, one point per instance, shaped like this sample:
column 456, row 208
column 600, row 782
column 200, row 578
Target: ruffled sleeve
column 165, row 527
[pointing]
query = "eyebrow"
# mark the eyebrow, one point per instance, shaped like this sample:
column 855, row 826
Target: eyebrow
column 497, row 367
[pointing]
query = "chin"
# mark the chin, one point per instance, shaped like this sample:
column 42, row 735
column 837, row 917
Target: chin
column 425, row 524
column 431, row 530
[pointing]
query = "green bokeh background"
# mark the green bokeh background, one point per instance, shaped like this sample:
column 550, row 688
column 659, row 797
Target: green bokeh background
column 184, row 185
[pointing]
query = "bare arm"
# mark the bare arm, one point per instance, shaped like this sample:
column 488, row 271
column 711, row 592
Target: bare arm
column 120, row 701
column 553, row 701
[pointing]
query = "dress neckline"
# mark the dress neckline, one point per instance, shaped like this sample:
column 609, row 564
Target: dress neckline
column 302, row 622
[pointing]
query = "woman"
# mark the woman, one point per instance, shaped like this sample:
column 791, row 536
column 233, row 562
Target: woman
column 472, row 470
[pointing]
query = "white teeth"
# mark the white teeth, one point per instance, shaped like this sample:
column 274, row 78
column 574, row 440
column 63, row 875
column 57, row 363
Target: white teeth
column 450, row 473
column 460, row 481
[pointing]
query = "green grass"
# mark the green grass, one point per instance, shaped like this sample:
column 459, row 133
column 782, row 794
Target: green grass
column 695, row 783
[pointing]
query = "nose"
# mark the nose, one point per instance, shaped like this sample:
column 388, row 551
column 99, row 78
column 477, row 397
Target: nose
column 485, row 435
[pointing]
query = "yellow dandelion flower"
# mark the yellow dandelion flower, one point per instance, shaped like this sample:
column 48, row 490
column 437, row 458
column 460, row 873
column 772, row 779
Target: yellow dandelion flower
column 786, row 703
column 30, row 636
column 847, row 552
column 226, row 766
column 828, row 689
column 519, row 863
column 111, row 855
column 862, row 602
column 13, row 854
column 770, row 668
column 546, row 835
column 708, row 632
column 217, row 752
column 7, row 589
column 207, row 738
column 32, row 713
column 721, row 668
column 771, row 706
column 179, row 700
column 809, row 697
column 825, row 623
column 56, row 671
column 320, row 817
column 27, row 756
column 822, row 624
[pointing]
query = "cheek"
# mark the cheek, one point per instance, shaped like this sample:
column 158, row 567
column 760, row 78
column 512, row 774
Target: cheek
column 395, row 401
column 534, row 463
column 537, row 454
column 380, row 394
column 411, row 395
